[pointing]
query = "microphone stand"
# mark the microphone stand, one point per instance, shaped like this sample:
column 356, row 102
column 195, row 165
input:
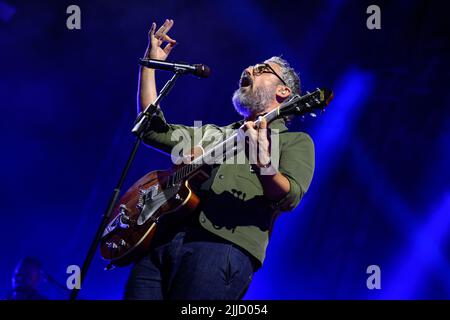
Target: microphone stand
column 50, row 279
column 139, row 129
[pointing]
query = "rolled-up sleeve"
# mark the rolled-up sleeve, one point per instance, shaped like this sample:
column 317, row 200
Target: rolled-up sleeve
column 297, row 165
column 177, row 137
column 161, row 134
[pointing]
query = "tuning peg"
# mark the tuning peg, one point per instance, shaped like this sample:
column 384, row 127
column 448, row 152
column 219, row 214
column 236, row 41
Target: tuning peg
column 307, row 105
column 307, row 92
column 316, row 101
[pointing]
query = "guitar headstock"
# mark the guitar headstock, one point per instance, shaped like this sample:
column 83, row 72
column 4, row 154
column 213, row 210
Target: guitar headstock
column 309, row 103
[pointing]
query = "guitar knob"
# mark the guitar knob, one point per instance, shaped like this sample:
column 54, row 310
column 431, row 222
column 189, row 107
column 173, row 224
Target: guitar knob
column 122, row 243
column 112, row 245
column 123, row 225
column 123, row 208
column 124, row 219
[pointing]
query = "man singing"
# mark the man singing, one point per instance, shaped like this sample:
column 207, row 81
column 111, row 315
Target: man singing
column 215, row 254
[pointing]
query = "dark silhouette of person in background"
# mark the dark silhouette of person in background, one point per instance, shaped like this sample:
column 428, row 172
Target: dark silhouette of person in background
column 26, row 279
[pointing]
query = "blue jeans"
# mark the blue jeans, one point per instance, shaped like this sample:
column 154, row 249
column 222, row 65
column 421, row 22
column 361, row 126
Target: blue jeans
column 192, row 265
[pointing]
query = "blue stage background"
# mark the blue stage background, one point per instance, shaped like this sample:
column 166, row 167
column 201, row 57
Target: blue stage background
column 381, row 191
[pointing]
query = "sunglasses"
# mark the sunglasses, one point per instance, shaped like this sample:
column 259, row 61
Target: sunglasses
column 266, row 68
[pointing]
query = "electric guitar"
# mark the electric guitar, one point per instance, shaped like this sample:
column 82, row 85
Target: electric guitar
column 172, row 192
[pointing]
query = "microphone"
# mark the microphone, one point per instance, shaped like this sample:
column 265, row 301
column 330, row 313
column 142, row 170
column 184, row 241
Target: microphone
column 199, row 70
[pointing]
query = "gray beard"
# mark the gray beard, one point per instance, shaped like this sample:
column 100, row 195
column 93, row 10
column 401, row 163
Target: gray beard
column 251, row 103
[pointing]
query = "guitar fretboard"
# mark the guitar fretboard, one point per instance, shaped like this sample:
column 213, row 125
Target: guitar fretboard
column 301, row 104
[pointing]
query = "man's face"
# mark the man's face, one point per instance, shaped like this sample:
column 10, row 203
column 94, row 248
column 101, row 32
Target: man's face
column 257, row 90
column 26, row 276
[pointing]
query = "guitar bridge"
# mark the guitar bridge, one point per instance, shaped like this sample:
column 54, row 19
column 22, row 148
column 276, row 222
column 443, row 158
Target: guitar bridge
column 150, row 205
column 146, row 194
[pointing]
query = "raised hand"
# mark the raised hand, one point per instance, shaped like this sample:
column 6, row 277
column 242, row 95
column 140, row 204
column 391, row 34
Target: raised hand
column 156, row 39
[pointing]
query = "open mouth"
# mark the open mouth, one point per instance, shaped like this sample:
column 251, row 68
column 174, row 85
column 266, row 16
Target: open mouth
column 245, row 82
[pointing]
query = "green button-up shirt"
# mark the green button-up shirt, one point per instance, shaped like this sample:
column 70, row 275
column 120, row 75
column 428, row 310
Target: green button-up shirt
column 233, row 203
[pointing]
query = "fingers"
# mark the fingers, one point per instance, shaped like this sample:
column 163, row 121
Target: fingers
column 252, row 125
column 257, row 134
column 262, row 123
column 169, row 26
column 152, row 30
column 249, row 125
column 169, row 47
column 252, row 134
column 262, row 131
column 162, row 31
column 158, row 37
column 169, row 39
column 248, row 129
column 259, row 144
column 154, row 41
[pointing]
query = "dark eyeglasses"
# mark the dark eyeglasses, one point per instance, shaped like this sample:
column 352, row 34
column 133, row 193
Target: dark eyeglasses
column 266, row 68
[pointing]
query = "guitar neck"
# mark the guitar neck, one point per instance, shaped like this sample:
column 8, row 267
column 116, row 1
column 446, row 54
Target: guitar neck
column 196, row 164
column 297, row 105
